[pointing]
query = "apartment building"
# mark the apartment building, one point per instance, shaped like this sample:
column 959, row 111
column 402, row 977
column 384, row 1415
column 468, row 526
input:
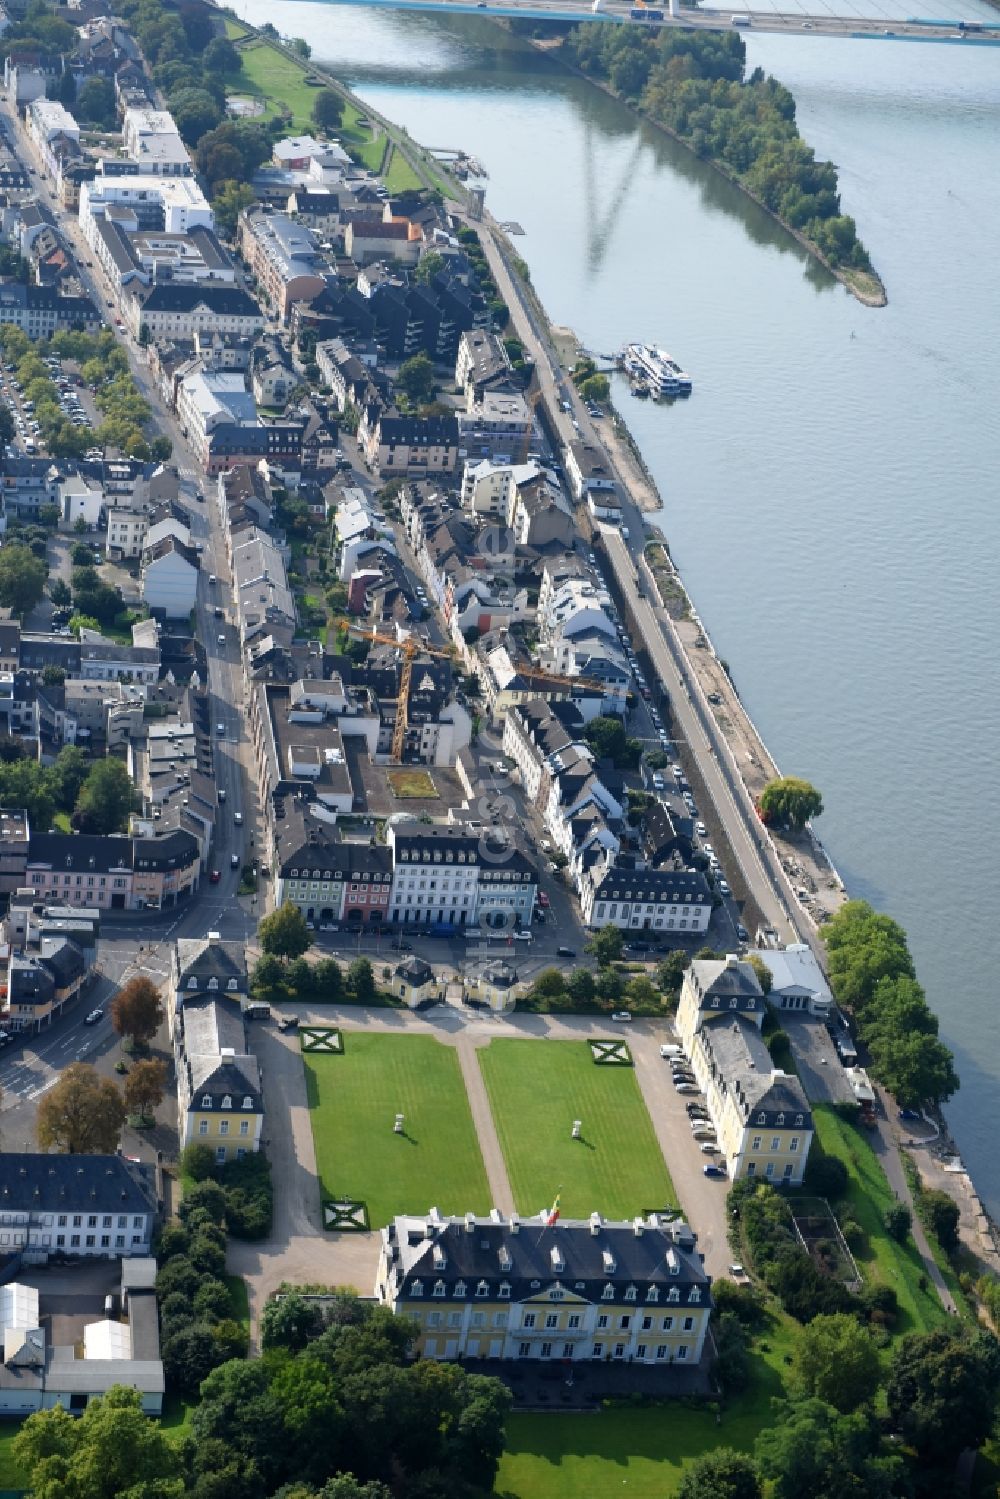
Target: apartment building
column 547, row 1289
column 284, row 256
column 79, row 1206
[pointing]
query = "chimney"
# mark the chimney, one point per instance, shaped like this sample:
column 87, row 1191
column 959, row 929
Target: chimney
column 637, row 1226
column 595, row 1225
column 515, row 1224
column 470, row 1223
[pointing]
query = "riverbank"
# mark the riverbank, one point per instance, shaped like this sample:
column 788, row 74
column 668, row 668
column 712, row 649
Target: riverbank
column 864, row 285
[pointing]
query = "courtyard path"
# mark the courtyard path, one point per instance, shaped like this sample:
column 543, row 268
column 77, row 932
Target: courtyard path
column 482, row 1118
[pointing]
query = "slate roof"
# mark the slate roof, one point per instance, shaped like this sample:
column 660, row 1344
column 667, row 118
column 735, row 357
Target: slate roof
column 210, row 1027
column 75, row 1183
column 743, row 1067
column 580, row 1256
column 228, row 301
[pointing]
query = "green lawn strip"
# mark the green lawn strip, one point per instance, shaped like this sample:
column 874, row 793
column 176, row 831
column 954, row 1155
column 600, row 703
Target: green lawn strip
column 61, row 822
column 642, row 1453
column 941, row 1257
column 11, row 1476
column 176, row 1418
column 536, row 1090
column 234, row 29
column 400, row 176
column 882, row 1260
column 353, row 1101
column 240, row 1301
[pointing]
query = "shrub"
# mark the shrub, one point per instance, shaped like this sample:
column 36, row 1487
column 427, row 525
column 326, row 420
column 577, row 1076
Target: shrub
column 942, row 1215
column 198, row 1162
column 207, row 1195
column 212, row 1300
column 898, row 1222
column 854, row 1235
column 880, row 1303
column 177, row 1275
column 175, row 1312
column 741, row 1300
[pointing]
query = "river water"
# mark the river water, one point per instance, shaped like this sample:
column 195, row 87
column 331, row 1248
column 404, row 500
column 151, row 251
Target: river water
column 831, row 489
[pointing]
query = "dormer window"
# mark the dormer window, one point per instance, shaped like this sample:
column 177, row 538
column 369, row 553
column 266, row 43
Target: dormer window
column 233, row 984
column 483, row 1288
column 761, row 1118
column 227, row 1102
column 653, row 1293
column 695, row 1294
column 630, row 1293
column 192, row 983
column 504, row 1291
column 798, row 1121
column 608, row 1292
column 460, row 1288
column 439, row 1288
column 780, row 1119
column 673, row 1294
column 248, row 1102
column 417, row 1288
column 212, row 984
column 206, row 1101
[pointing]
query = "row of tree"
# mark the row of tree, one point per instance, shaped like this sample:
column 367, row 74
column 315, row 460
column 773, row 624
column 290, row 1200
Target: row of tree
column 694, row 83
column 872, row 975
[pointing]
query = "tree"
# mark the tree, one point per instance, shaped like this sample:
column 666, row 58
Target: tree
column 195, row 112
column 95, row 103
column 328, row 109
column 361, row 981
column 197, row 1161
column 82, row 1115
column 836, row 1361
column 220, row 57
column 289, row 1321
column 942, row 1214
column 189, row 1355
column 416, row 379
column 914, row 1067
column 898, row 1222
column 106, row 797
column 720, row 1474
column 53, row 676
column 144, row 1088
column 6, row 425
column 59, row 593
column 942, row 1392
column 22, row 578
column 284, row 933
column 595, row 388
column 137, row 1010
column 811, row 1451
column 228, row 203
column 606, row 945
column 789, row 802
column 111, row 1449
column 300, row 46
column 580, row 986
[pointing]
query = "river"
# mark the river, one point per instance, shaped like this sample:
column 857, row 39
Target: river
column 831, row 489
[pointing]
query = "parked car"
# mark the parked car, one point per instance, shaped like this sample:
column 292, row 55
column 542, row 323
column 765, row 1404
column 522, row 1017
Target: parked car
column 724, row 888
column 543, row 900
column 566, row 952
column 624, row 1017
column 94, row 1017
column 238, row 819
column 713, row 1170
column 742, row 932
column 234, row 861
column 909, row 1115
column 214, row 877
column 708, row 1147
column 683, row 1087
column 668, row 1049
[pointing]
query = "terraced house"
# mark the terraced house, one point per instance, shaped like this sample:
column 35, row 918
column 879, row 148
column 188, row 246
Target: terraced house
column 760, row 1113
column 579, row 1290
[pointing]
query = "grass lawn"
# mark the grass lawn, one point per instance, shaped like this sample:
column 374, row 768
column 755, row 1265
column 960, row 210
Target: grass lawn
column 269, row 75
column 404, row 783
column 11, row 1476
column 882, row 1260
column 536, row 1090
column 240, row 1301
column 353, row 1100
column 641, row 1453
column 400, row 176
column 176, row 1418
column 61, row 822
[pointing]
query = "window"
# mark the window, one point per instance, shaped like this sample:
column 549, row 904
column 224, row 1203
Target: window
column 203, row 1126
column 223, row 1126
column 682, row 1351
column 523, row 1350
column 673, row 1294
column 630, row 1293
column 227, row 1102
column 206, row 1100
column 647, row 1323
column 499, row 1319
column 688, row 1324
column 598, row 1350
column 244, row 1127
column 552, row 1320
column 793, row 1143
column 653, row 1293
column 775, row 1142
column 417, row 1288
column 529, row 1319
column 504, row 1291
column 438, row 1288
column 608, row 1292
column 483, row 1288
column 460, row 1288
column 624, row 1323
column 248, row 1102
column 640, row 1351
column 755, row 1143
column 602, row 1323
column 770, row 1169
column 573, row 1321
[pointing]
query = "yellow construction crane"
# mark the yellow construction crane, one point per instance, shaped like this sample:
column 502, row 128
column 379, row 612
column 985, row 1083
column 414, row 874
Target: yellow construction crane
column 412, row 646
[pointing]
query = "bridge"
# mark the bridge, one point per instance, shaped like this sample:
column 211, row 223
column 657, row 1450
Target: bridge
column 811, row 21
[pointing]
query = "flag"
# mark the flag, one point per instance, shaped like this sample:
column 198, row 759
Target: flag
column 553, row 1217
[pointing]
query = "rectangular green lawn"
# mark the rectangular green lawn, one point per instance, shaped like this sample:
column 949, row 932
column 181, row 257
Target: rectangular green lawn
column 536, row 1090
column 353, row 1101
column 641, row 1453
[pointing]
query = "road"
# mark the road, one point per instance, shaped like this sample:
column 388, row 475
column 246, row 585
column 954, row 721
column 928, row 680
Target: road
column 689, row 19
